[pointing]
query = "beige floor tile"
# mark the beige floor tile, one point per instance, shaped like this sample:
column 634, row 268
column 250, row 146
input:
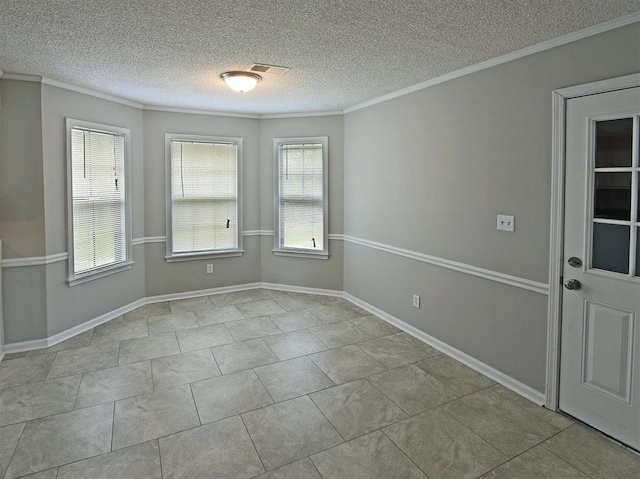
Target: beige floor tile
column 357, row 408
column 225, row 299
column 245, row 355
column 288, row 431
column 346, row 364
column 189, row 305
column 329, row 300
column 333, row 313
column 374, row 327
column 183, row 368
column 294, row 344
column 10, row 356
column 553, row 418
column 391, row 351
column 592, row 454
column 302, row 469
column 149, row 416
column 25, row 370
column 48, row 474
column 372, row 456
column 292, row 378
column 79, row 341
column 36, row 400
column 82, row 360
column 442, row 447
column 412, row 389
column 262, row 294
column 296, row 303
column 339, row 334
column 455, row 374
column 112, row 384
column 253, row 309
column 430, row 350
column 172, row 322
column 152, row 347
column 119, row 330
column 149, row 311
column 536, row 463
column 503, row 424
column 218, row 315
column 9, row 437
column 204, row 337
column 229, row 395
column 252, row 328
column 76, row 435
column 221, row 449
column 139, row 461
column 295, row 320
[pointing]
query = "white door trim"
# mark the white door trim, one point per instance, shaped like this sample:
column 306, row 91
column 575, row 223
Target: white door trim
column 556, row 245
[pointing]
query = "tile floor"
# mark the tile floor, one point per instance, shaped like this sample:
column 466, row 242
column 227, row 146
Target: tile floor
column 272, row 384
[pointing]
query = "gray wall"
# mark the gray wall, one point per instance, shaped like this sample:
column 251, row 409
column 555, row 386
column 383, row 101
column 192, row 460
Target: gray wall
column 23, row 223
column 163, row 277
column 306, row 272
column 430, row 171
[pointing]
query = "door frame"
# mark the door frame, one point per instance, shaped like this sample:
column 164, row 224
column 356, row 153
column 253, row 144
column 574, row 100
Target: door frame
column 556, row 246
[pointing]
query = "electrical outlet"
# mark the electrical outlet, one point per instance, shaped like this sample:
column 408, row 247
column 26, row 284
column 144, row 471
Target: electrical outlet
column 416, row 301
column 209, row 268
column 506, row 223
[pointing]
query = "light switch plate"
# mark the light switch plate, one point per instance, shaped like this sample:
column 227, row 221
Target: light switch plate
column 506, row 223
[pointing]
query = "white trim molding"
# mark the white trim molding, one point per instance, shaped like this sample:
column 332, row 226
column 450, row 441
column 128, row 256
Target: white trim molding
column 510, row 280
column 498, row 376
column 540, row 47
column 507, row 381
column 148, row 240
column 258, row 233
column 34, row 260
column 556, row 236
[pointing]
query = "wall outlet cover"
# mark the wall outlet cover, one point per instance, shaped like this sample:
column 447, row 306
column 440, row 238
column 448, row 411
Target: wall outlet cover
column 506, row 223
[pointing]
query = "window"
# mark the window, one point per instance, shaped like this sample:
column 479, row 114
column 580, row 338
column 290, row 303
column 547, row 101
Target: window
column 98, row 195
column 203, row 185
column 302, row 196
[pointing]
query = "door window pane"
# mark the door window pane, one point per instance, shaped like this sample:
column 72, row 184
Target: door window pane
column 611, row 247
column 613, row 143
column 613, row 196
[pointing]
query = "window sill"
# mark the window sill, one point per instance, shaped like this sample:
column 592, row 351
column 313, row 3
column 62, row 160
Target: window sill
column 301, row 253
column 204, row 255
column 100, row 273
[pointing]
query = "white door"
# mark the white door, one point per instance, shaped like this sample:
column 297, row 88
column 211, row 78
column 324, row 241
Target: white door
column 600, row 355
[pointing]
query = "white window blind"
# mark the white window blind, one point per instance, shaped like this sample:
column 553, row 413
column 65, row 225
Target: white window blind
column 98, row 199
column 301, row 196
column 204, row 196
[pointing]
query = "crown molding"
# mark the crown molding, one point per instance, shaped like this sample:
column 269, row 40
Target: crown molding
column 537, row 48
column 21, row 77
column 199, row 112
column 94, row 93
column 300, row 115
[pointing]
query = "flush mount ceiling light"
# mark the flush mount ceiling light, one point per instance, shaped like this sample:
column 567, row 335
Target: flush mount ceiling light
column 241, row 81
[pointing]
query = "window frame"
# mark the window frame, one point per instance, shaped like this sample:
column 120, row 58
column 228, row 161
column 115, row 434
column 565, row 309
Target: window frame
column 301, row 252
column 74, row 278
column 170, row 256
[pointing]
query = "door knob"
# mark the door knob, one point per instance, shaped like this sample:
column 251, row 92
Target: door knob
column 572, row 284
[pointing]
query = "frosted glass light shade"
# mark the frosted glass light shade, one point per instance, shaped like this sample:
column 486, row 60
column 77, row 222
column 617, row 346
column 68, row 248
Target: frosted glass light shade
column 241, row 81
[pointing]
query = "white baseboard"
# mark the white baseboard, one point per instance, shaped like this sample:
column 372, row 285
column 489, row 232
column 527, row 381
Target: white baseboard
column 202, row 292
column 498, row 376
column 301, row 289
column 71, row 332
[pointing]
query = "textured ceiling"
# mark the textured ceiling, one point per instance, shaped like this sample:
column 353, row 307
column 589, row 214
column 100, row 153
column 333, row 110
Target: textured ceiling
column 341, row 52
